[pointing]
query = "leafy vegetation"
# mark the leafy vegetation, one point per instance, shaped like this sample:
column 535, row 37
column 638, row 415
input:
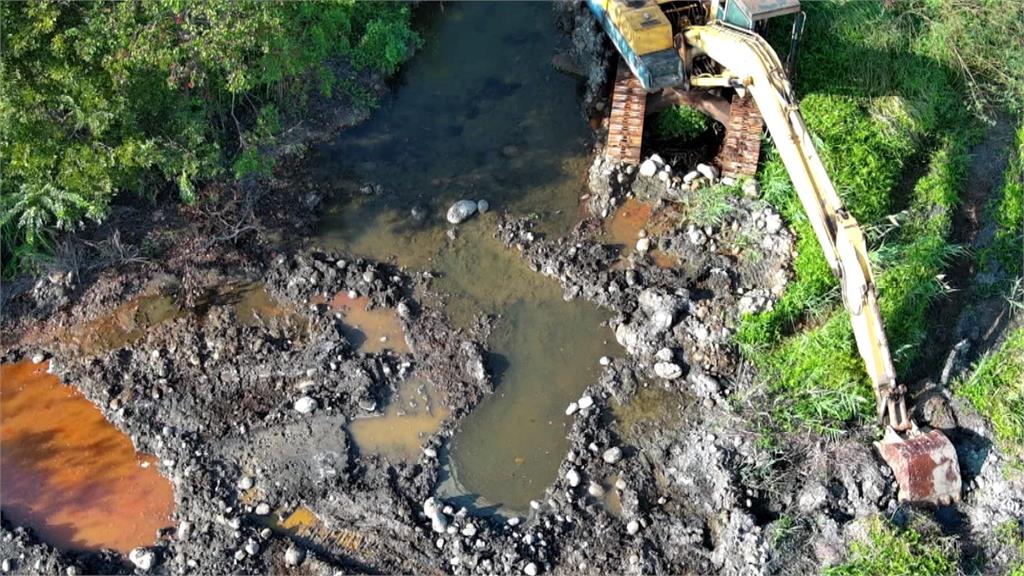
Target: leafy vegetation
column 895, row 552
column 101, row 98
column 680, row 122
column 883, row 110
column 996, row 390
column 710, row 205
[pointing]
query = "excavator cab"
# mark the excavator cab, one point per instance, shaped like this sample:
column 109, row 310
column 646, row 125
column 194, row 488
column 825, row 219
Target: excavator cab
column 747, row 14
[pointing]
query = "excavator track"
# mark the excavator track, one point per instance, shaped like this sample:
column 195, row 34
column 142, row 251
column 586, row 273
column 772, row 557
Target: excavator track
column 626, row 118
column 742, row 145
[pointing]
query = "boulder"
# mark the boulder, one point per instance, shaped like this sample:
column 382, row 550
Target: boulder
column 708, row 171
column 667, row 370
column 438, row 522
column 461, row 210
column 648, row 168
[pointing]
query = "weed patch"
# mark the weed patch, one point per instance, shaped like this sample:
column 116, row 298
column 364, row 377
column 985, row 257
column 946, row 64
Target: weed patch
column 996, row 390
column 896, row 552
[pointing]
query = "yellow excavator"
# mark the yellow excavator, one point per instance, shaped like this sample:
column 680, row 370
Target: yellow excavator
column 702, row 52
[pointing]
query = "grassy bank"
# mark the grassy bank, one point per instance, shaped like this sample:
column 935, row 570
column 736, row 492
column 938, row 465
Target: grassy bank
column 885, row 549
column 895, row 130
column 101, row 98
column 996, row 390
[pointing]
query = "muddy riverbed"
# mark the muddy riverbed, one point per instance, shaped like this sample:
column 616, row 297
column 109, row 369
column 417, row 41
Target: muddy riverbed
column 360, row 386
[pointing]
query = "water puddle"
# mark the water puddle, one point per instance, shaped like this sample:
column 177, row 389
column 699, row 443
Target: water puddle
column 460, row 127
column 68, row 473
column 412, row 416
column 651, row 407
column 125, row 324
column 370, row 331
column 625, row 226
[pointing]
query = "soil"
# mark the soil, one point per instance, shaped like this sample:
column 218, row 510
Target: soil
column 247, row 413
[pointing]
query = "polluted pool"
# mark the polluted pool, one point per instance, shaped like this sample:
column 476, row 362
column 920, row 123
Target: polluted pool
column 71, row 475
column 505, row 129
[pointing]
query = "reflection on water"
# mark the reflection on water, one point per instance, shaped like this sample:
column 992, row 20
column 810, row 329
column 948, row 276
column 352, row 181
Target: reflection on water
column 481, row 114
column 413, row 414
column 370, row 331
column 68, row 473
column 125, row 324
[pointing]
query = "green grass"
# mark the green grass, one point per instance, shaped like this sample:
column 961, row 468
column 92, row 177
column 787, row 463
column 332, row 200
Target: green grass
column 710, row 205
column 680, row 122
column 1007, row 210
column 879, row 107
column 996, row 390
column 894, row 552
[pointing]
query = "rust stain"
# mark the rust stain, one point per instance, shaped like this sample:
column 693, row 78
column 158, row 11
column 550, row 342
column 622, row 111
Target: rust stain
column 68, row 473
column 373, row 330
column 625, row 225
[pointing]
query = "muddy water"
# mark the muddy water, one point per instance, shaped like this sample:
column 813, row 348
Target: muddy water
column 627, row 224
column 481, row 114
column 413, row 414
column 68, row 473
column 370, row 331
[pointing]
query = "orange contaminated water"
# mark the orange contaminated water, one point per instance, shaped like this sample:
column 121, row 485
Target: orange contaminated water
column 68, row 473
column 625, row 226
column 372, row 330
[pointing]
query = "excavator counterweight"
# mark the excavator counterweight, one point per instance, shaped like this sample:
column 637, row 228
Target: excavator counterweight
column 925, row 463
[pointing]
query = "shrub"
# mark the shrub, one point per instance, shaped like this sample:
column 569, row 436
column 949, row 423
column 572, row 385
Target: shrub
column 680, row 122
column 101, row 98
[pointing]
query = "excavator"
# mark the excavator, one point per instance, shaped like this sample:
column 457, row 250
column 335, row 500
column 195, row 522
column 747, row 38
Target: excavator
column 711, row 54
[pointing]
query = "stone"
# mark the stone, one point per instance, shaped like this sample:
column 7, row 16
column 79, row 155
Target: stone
column 305, row 405
column 294, row 556
column 142, row 558
column 585, row 402
column 252, row 548
column 612, row 455
column 667, row 370
column 469, row 530
column 535, row 504
column 262, row 509
column 605, row 361
column 648, row 168
column 573, row 477
column 595, row 490
column 38, row 359
column 707, row 171
column 418, row 213
column 664, row 355
column 368, row 404
column 728, row 181
column 632, row 527
column 530, row 569
column 239, row 554
column 482, row 206
column 690, row 176
column 643, row 245
column 184, row 529
column 460, row 211
column 751, row 189
column 513, row 521
column 696, row 236
column 245, row 483
column 430, row 452
column 658, row 160
column 773, row 223
column 6, row 565
column 571, row 408
column 438, row 522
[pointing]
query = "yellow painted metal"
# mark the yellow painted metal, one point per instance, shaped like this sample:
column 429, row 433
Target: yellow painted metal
column 642, row 23
column 750, row 59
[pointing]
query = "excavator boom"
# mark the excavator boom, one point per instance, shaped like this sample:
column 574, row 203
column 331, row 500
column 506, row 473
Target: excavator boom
column 925, row 464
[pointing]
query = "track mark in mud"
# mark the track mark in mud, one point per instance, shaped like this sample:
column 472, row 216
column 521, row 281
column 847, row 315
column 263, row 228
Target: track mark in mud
column 413, row 415
column 304, row 527
column 68, row 473
column 371, row 331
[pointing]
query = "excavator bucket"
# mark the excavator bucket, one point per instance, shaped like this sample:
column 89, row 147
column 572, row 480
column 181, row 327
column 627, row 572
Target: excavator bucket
column 925, row 466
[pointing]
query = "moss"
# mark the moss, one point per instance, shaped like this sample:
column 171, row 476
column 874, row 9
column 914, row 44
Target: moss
column 895, row 552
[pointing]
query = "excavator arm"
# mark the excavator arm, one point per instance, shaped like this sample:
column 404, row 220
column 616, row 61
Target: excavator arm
column 924, row 463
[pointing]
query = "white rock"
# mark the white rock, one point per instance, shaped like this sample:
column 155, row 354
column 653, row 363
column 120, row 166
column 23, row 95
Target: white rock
column 668, row 370
column 605, row 361
column 513, row 521
column 612, row 455
column 707, row 171
column 643, row 245
column 664, row 176
column 535, row 504
column 773, row 223
column 648, row 168
column 690, row 176
column 469, row 530
column 262, row 509
column 430, row 452
column 294, row 556
column 665, row 354
column 142, row 558
column 252, row 548
column 571, row 408
column 530, row 569
column 184, row 529
column 244, row 483
column 620, row 483
column 632, row 527
column 305, row 405
column 461, row 210
column 573, row 477
column 728, row 181
column 658, row 160
column 38, row 359
column 482, row 206
column 239, row 554
column 438, row 522
column 595, row 490
column 585, row 402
